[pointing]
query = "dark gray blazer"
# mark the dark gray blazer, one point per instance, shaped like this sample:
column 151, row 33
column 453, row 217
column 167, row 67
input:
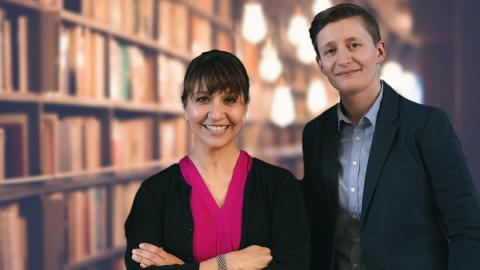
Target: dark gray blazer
column 420, row 208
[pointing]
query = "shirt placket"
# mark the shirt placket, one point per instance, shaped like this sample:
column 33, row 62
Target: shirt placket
column 354, row 171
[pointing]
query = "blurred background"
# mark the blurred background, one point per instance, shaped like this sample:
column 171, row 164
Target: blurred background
column 90, row 101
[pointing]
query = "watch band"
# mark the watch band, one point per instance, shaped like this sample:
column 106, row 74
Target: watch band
column 221, row 262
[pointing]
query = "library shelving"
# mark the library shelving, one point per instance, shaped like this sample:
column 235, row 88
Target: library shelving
column 89, row 107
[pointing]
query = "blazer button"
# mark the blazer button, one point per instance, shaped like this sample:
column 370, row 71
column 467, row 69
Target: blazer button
column 189, row 232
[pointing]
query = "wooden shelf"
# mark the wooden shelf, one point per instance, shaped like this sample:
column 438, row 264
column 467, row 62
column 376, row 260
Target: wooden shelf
column 148, row 43
column 80, row 102
column 14, row 189
column 97, row 258
column 23, row 4
column 226, row 25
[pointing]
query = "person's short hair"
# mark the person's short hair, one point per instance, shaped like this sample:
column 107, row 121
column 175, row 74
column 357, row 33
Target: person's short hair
column 217, row 71
column 340, row 12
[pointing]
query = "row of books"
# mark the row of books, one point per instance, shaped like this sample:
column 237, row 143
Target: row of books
column 145, row 17
column 13, row 240
column 73, row 144
column 14, row 53
column 83, row 223
column 91, row 65
column 14, row 146
column 70, row 144
column 130, row 70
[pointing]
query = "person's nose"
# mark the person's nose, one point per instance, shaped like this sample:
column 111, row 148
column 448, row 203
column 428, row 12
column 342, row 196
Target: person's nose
column 216, row 109
column 344, row 56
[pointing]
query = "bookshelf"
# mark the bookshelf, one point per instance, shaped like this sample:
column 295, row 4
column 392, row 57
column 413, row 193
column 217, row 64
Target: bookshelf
column 89, row 107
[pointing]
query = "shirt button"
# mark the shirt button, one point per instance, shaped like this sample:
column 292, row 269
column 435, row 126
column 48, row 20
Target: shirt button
column 352, row 189
column 357, row 138
column 355, row 265
column 354, row 216
column 357, row 240
column 354, row 163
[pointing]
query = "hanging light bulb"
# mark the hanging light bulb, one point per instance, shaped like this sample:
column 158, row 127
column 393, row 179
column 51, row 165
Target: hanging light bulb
column 412, row 87
column 283, row 109
column 254, row 27
column 405, row 83
column 298, row 28
column 320, row 5
column 270, row 66
column 316, row 96
column 305, row 52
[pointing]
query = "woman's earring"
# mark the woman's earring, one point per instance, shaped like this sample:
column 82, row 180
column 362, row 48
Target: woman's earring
column 186, row 116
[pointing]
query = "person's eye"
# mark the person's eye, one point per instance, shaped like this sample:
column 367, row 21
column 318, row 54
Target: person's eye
column 230, row 100
column 354, row 45
column 329, row 51
column 202, row 99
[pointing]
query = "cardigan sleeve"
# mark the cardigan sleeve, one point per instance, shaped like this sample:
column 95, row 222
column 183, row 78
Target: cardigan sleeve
column 289, row 227
column 144, row 224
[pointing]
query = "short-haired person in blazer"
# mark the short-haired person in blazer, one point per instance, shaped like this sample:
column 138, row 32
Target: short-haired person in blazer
column 386, row 183
column 218, row 208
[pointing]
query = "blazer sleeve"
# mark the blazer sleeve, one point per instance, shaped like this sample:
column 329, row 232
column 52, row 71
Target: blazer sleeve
column 144, row 224
column 453, row 188
column 289, row 226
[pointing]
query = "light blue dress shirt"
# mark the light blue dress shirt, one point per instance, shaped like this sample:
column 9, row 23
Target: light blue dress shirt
column 353, row 154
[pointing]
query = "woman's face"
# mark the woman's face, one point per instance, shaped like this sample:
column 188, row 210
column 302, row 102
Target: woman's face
column 214, row 120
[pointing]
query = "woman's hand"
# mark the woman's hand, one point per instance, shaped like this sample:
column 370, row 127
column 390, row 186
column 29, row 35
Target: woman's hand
column 250, row 258
column 148, row 254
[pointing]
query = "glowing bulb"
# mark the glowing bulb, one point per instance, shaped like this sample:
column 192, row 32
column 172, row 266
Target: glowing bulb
column 320, row 5
column 270, row 66
column 254, row 27
column 405, row 83
column 412, row 87
column 283, row 109
column 305, row 53
column 298, row 29
column 316, row 97
column 392, row 72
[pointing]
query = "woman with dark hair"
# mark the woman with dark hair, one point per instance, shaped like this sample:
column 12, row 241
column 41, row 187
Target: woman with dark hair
column 218, row 207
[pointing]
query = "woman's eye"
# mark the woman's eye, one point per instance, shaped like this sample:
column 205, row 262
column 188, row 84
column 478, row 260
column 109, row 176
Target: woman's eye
column 329, row 51
column 202, row 99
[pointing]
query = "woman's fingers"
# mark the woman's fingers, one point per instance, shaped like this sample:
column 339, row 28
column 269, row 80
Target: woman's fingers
column 159, row 251
column 149, row 254
column 143, row 261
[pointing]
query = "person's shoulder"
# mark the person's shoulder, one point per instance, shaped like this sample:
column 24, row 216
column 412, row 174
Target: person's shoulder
column 320, row 120
column 421, row 113
column 163, row 178
column 269, row 172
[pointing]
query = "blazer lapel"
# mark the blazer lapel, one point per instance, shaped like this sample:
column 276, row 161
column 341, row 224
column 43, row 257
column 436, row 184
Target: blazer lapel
column 329, row 154
column 385, row 132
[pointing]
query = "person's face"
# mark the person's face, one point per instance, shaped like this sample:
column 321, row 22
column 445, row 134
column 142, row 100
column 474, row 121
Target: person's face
column 214, row 120
column 348, row 56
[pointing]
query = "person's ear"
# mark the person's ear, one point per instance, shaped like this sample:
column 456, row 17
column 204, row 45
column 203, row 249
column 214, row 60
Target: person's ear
column 319, row 64
column 381, row 52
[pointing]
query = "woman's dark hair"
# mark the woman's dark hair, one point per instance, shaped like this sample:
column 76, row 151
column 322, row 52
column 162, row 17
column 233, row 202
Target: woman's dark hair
column 340, row 12
column 217, row 71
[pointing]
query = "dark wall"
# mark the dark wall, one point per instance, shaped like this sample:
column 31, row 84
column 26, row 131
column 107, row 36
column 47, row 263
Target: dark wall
column 449, row 67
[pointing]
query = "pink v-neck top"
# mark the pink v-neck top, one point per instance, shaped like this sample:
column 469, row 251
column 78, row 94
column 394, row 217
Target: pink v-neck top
column 216, row 230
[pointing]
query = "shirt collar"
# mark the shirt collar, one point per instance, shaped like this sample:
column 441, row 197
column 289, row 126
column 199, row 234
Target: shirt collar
column 370, row 116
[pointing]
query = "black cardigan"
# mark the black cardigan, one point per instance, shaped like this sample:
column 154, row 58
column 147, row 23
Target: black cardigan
column 273, row 216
